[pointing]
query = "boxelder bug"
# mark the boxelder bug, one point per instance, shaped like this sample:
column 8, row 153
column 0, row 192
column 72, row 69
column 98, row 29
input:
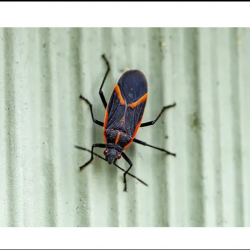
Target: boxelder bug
column 123, row 117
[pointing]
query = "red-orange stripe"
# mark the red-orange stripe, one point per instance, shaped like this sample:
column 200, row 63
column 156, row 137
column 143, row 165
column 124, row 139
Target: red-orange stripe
column 105, row 124
column 117, row 138
column 142, row 99
column 128, row 144
column 136, row 129
column 119, row 95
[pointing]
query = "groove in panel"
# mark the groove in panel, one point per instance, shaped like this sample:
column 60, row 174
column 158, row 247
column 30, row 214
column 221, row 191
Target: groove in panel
column 225, row 123
column 46, row 127
column 157, row 162
column 4, row 215
column 182, row 98
column 234, row 75
column 208, row 126
column 166, row 44
column 11, row 84
column 80, row 182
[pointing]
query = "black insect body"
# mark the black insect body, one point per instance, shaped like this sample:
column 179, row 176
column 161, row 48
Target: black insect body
column 123, row 118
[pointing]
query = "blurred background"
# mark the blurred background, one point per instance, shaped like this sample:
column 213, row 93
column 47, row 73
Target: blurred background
column 205, row 71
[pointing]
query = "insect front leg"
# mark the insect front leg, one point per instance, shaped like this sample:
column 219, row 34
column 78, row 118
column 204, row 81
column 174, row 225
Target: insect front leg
column 146, row 144
column 145, row 124
column 91, row 110
column 105, row 76
column 99, row 145
column 124, row 176
column 85, row 149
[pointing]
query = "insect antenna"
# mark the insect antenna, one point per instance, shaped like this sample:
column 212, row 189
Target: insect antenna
column 85, row 149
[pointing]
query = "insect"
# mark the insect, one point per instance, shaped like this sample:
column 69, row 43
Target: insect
column 123, row 118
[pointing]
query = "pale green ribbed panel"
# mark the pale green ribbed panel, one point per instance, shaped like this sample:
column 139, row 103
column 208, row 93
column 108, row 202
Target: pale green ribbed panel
column 205, row 71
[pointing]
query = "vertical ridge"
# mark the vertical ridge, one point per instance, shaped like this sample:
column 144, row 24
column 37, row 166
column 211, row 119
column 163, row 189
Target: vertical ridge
column 76, row 62
column 243, row 41
column 195, row 178
column 225, row 125
column 216, row 124
column 180, row 90
column 170, row 97
column 10, row 126
column 4, row 214
column 157, row 131
column 46, row 128
column 234, row 77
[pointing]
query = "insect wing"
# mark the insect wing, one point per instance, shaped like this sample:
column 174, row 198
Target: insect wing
column 133, row 87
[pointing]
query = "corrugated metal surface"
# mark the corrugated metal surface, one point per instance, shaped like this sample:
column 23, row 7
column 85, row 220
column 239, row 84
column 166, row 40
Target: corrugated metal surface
column 206, row 71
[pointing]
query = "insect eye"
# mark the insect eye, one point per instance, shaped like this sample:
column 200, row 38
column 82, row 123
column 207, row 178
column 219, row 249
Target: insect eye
column 119, row 157
column 105, row 151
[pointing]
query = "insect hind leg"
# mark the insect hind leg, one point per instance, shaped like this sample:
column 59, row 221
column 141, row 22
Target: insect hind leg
column 105, row 76
column 148, row 145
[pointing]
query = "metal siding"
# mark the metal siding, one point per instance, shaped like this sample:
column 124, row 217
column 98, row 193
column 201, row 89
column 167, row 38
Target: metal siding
column 205, row 71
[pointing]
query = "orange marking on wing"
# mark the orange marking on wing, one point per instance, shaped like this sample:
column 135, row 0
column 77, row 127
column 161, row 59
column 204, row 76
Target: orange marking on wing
column 142, row 99
column 128, row 144
column 119, row 95
column 136, row 129
column 105, row 124
column 117, row 138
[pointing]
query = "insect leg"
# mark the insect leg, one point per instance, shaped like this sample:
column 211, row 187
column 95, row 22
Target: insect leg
column 145, row 124
column 99, row 145
column 145, row 144
column 85, row 149
column 124, row 176
column 91, row 110
column 106, row 74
